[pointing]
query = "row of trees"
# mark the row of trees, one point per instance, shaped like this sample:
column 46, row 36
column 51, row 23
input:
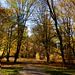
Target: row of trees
column 54, row 26
column 66, row 18
column 15, row 27
column 60, row 24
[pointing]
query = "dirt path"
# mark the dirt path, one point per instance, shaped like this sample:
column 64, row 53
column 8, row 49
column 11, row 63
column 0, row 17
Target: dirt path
column 32, row 69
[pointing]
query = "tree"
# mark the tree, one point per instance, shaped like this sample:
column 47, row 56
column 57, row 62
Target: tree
column 22, row 12
column 44, row 33
column 57, row 14
column 53, row 15
column 5, row 18
column 67, row 21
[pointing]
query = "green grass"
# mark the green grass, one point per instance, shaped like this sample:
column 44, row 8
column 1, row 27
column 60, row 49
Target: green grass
column 9, row 70
column 58, row 70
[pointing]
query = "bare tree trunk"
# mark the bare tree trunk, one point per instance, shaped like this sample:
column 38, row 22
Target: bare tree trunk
column 47, row 56
column 53, row 15
column 34, row 51
column 9, row 46
column 18, row 49
column 20, row 36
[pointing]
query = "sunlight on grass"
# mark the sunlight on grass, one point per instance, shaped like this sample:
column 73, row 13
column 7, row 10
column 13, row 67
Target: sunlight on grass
column 10, row 70
column 58, row 70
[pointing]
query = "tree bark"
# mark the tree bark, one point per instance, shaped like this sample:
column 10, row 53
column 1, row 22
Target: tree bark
column 7, row 49
column 53, row 15
column 47, row 56
column 20, row 36
column 9, row 46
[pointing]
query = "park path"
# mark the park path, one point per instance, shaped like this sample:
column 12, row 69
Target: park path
column 32, row 69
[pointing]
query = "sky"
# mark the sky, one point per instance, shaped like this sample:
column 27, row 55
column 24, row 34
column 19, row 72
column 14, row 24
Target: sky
column 3, row 4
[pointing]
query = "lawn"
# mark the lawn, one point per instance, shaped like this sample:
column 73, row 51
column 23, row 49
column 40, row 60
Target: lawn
column 9, row 70
column 12, row 68
column 58, row 70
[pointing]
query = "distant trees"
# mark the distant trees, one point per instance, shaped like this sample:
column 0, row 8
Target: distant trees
column 44, row 31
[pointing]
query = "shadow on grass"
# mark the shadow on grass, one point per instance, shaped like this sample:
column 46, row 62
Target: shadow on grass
column 10, row 70
column 52, row 70
column 6, row 70
column 56, row 73
column 59, row 71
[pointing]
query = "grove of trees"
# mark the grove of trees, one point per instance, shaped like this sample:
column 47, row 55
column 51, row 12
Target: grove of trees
column 52, row 29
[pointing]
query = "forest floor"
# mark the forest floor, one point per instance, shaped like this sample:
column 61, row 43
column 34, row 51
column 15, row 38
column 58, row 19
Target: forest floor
column 25, row 66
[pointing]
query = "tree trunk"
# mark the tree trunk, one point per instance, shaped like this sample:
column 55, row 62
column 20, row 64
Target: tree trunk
column 9, row 46
column 7, row 49
column 73, row 45
column 34, row 54
column 60, row 38
column 62, row 53
column 20, row 36
column 18, row 49
column 47, row 56
column 53, row 15
column 8, row 57
column 34, row 51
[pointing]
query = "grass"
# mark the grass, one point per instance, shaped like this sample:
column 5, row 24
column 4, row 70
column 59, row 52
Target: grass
column 12, row 69
column 58, row 70
column 9, row 70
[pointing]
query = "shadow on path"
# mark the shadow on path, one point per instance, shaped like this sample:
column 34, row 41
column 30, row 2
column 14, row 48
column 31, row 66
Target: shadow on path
column 32, row 69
